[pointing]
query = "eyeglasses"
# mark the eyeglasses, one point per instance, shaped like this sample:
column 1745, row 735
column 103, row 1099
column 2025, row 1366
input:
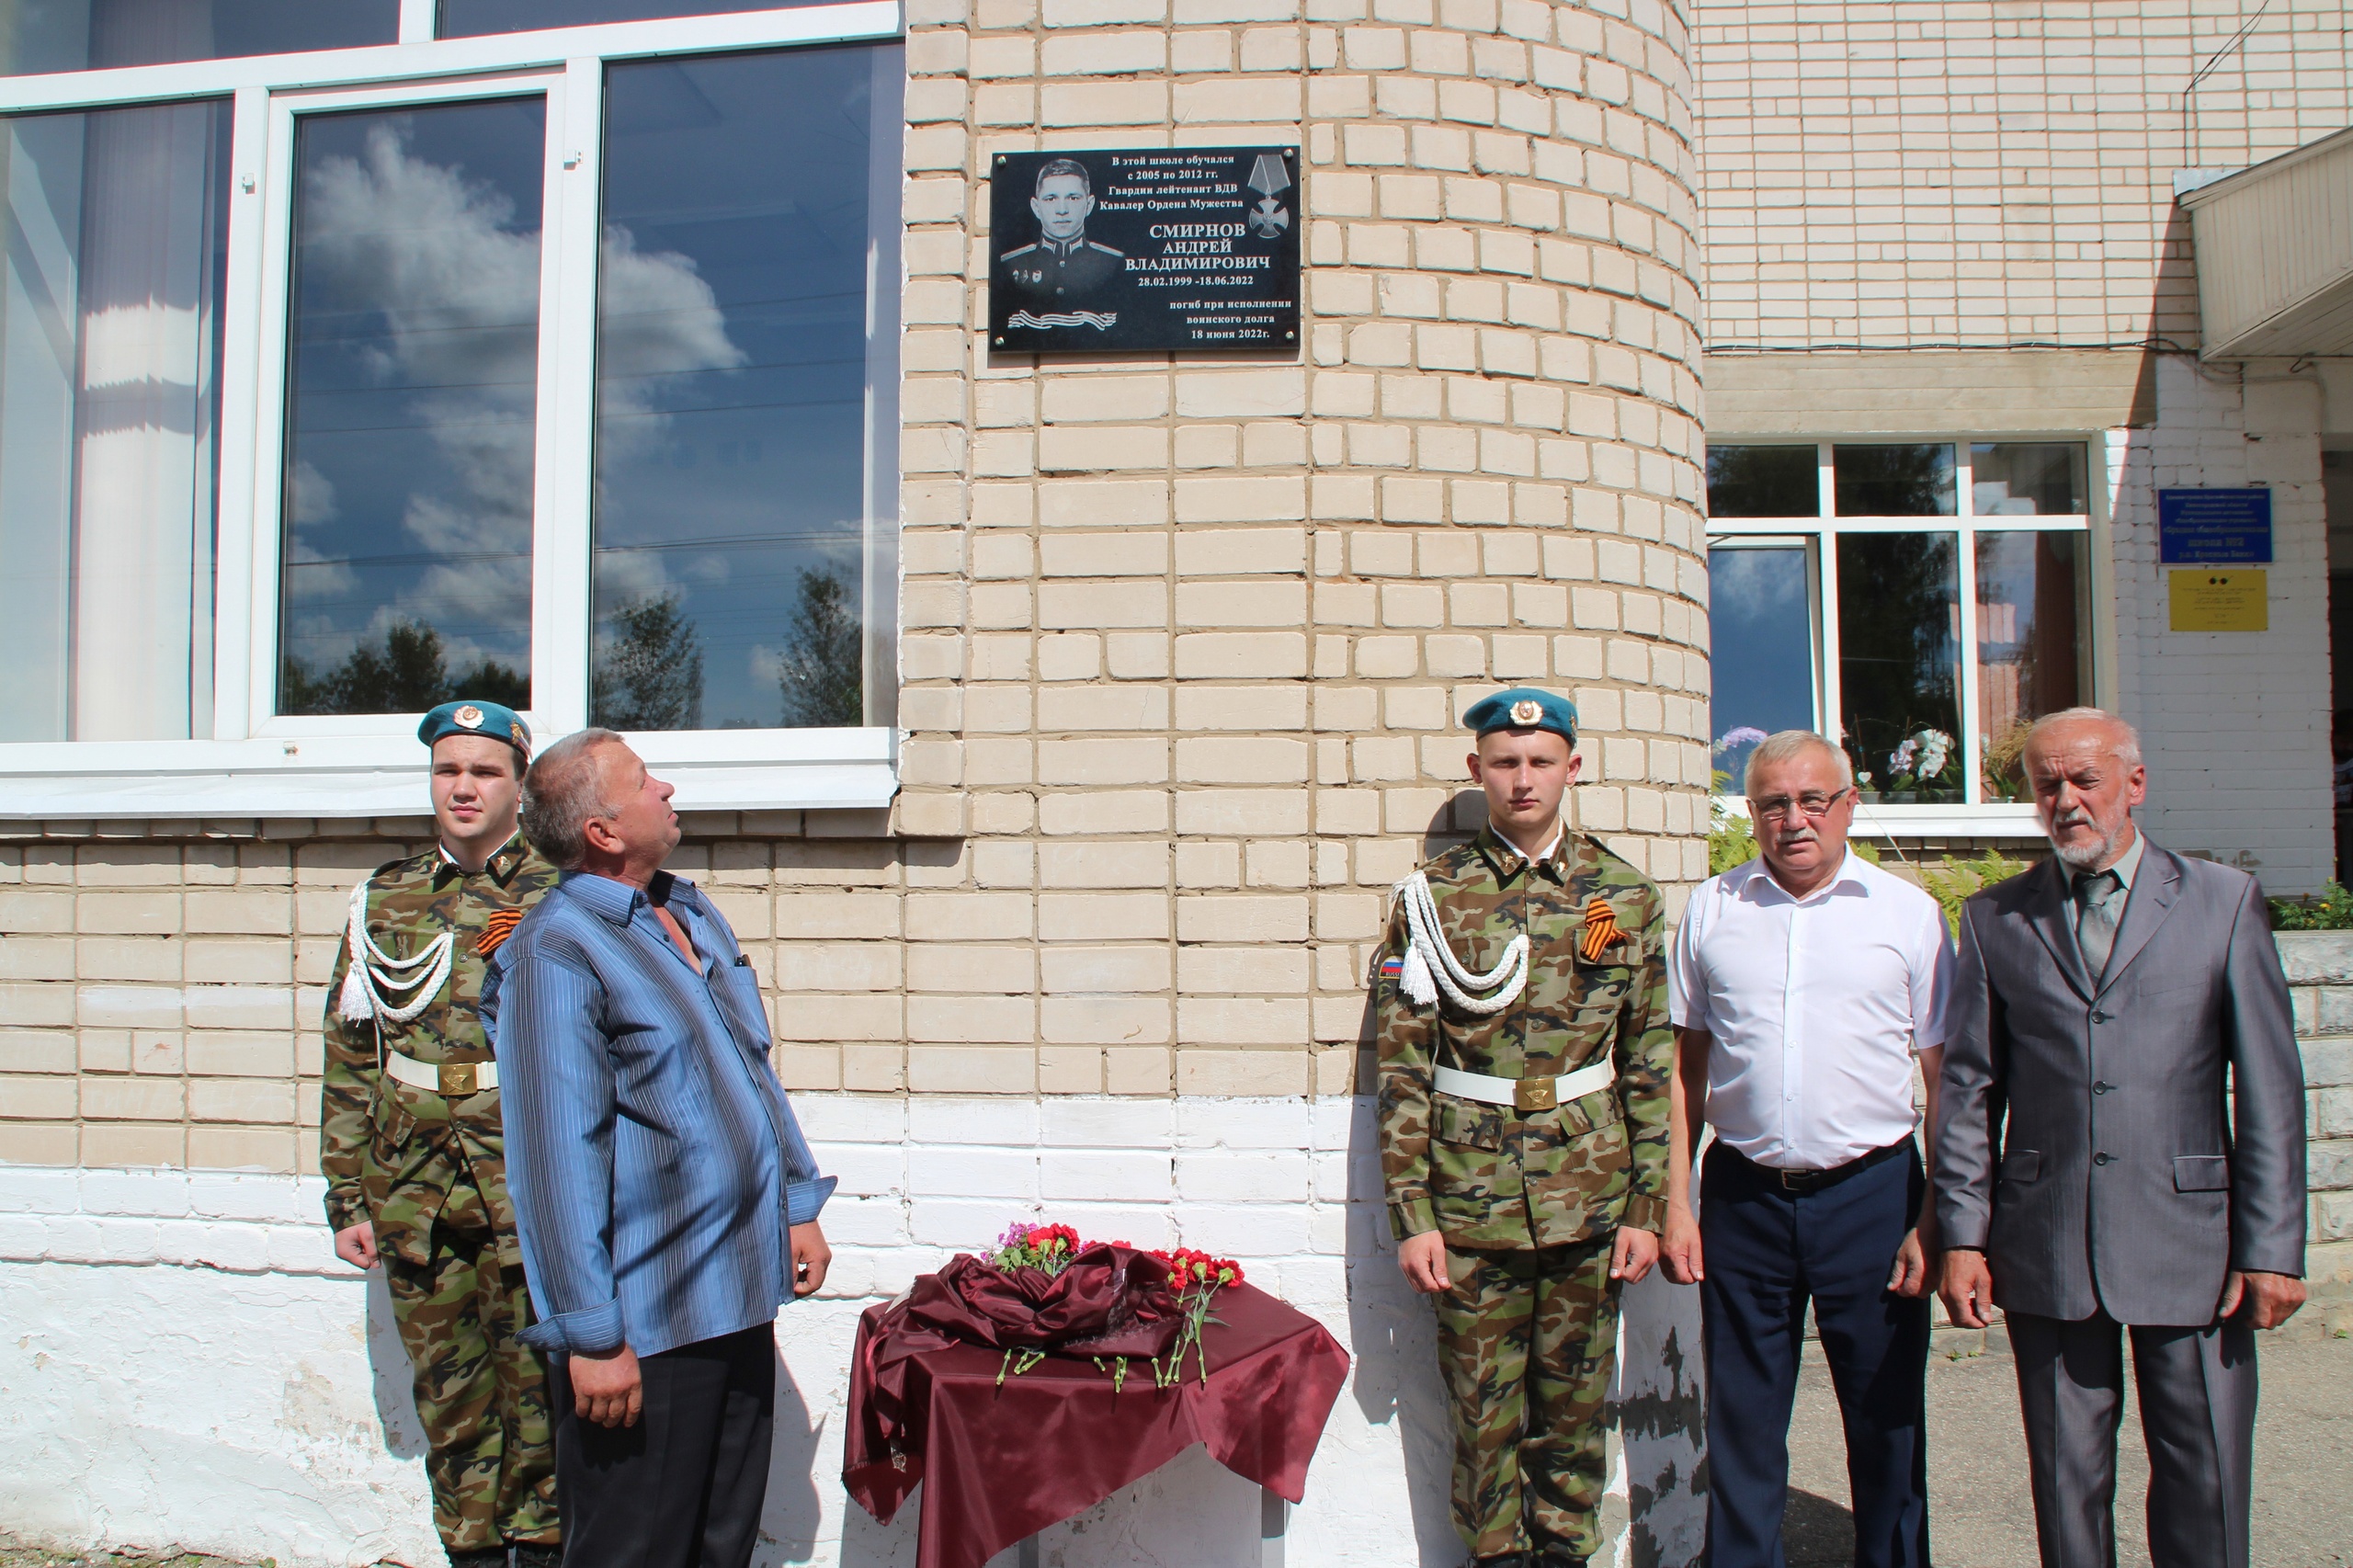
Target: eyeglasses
column 1816, row 806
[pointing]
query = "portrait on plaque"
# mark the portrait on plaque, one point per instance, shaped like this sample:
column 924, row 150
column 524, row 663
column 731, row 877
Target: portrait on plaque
column 1165, row 248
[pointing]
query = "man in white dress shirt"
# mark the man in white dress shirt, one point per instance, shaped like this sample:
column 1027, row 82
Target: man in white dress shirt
column 1803, row 985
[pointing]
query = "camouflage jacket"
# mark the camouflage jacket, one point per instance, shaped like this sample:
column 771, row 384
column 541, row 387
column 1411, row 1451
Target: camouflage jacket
column 390, row 1152
column 1489, row 1176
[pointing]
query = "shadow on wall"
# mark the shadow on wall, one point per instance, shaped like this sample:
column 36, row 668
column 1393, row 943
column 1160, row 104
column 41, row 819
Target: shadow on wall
column 789, row 1518
column 395, row 1382
column 1393, row 1334
column 1456, row 821
column 1659, row 1403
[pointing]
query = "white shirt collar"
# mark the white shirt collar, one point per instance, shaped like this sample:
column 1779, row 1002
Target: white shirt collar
column 1849, row 875
column 1560, row 831
column 449, row 859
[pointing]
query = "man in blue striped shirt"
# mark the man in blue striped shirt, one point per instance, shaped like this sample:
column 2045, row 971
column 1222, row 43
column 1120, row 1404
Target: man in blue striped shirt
column 665, row 1200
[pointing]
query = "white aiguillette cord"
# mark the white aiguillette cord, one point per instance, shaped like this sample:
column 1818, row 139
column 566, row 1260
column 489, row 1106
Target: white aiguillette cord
column 373, row 971
column 1430, row 965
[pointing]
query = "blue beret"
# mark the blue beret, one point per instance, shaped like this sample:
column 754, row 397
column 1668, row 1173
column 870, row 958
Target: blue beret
column 470, row 717
column 1524, row 708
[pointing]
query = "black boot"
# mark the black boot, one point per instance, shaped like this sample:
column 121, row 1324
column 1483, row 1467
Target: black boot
column 1502, row 1559
column 488, row 1557
column 533, row 1554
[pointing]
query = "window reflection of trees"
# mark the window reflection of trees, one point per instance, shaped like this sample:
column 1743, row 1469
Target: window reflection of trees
column 732, row 392
column 404, row 671
column 411, row 408
column 822, row 671
column 1899, row 651
column 649, row 670
column 1907, row 480
column 1762, row 481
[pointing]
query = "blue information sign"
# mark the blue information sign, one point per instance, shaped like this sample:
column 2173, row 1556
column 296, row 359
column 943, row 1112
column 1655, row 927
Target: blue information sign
column 2214, row 528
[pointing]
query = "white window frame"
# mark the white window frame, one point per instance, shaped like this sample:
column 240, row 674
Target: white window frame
column 1973, row 817
column 258, row 763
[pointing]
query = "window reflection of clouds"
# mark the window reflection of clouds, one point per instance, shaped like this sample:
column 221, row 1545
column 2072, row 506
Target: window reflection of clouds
column 1760, row 637
column 732, row 382
column 410, row 410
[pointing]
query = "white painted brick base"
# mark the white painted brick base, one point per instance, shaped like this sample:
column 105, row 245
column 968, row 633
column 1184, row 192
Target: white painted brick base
column 185, row 1362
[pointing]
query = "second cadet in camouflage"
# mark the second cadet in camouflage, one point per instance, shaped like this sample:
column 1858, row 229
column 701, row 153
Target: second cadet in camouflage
column 1524, row 1056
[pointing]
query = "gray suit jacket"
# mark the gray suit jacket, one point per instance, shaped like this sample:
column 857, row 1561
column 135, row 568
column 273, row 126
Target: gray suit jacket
column 2125, row 1182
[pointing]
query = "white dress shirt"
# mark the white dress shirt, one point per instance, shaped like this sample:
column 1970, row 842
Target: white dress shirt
column 1816, row 1006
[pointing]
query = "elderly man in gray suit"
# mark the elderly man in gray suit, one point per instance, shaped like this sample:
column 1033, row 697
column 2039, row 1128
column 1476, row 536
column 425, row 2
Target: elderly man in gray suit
column 2092, row 1175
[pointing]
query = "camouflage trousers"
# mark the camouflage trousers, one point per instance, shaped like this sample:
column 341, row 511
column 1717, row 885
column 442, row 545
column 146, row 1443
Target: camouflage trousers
column 1526, row 1341
column 481, row 1393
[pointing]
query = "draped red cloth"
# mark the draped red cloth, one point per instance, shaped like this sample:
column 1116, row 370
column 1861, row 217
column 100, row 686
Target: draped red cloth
column 1002, row 1462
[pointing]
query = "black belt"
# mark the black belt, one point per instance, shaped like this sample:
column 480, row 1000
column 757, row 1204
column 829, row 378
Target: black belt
column 1815, row 1181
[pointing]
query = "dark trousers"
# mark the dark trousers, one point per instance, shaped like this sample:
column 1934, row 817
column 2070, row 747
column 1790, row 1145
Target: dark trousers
column 1767, row 1252
column 682, row 1488
column 2196, row 1388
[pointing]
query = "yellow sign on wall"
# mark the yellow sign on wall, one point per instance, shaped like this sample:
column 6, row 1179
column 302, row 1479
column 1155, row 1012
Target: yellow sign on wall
column 2210, row 600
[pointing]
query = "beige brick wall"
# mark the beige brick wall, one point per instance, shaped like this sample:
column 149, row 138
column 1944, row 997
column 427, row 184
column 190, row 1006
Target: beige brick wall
column 161, row 988
column 1187, row 639
column 1887, row 172
column 1184, row 641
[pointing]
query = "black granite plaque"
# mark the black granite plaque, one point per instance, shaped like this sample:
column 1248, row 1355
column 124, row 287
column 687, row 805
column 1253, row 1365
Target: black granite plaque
column 1182, row 247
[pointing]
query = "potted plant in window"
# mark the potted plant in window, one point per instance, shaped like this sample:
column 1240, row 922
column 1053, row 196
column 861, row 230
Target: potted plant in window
column 1925, row 765
column 2004, row 770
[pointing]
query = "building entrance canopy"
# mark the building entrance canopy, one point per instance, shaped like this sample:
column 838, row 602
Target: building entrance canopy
column 2275, row 256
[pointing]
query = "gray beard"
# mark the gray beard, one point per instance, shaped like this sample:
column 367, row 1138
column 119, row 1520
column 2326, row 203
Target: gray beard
column 2084, row 857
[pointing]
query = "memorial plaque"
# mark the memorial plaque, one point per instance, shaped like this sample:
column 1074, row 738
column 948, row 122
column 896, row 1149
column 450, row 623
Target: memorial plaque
column 1180, row 247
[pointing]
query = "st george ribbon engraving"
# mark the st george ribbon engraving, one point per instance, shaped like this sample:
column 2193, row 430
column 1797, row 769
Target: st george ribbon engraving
column 1188, row 248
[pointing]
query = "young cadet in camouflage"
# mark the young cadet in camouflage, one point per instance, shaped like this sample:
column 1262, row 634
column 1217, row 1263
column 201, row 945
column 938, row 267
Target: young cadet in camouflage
column 416, row 1176
column 1522, row 1221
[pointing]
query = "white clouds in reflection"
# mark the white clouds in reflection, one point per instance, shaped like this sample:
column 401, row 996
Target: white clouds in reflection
column 655, row 317
column 1756, row 584
column 455, row 281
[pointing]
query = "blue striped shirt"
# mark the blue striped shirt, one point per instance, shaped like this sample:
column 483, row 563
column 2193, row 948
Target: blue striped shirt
column 653, row 1161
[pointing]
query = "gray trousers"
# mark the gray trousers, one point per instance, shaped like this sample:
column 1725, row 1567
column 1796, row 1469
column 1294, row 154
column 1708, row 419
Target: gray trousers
column 2197, row 1389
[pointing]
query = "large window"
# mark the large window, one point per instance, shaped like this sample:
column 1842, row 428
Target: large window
column 109, row 416
column 412, row 344
column 559, row 372
column 42, row 36
column 1922, row 601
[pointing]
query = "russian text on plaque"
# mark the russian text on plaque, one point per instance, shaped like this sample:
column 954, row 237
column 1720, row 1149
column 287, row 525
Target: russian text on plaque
column 1149, row 248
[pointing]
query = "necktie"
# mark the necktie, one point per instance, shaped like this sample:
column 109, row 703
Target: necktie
column 2098, row 895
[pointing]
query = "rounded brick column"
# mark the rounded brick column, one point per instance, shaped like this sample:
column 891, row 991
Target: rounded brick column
column 1187, row 637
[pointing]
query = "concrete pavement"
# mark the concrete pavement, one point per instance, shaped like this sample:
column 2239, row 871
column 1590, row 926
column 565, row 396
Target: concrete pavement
column 1980, row 1512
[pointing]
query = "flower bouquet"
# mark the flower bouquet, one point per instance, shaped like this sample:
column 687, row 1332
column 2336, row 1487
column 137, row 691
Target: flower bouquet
column 1194, row 1280
column 1043, row 1290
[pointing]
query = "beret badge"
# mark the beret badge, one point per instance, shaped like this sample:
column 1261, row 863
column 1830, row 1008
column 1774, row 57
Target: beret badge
column 468, row 717
column 1525, row 712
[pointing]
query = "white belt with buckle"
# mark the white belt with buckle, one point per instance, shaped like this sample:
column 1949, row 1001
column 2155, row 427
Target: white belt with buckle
column 454, row 1079
column 1527, row 1094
